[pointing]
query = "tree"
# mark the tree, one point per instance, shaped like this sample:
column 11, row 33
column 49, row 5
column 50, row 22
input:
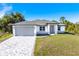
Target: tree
column 19, row 17
column 62, row 19
column 70, row 27
column 54, row 21
column 10, row 19
column 16, row 17
column 76, row 29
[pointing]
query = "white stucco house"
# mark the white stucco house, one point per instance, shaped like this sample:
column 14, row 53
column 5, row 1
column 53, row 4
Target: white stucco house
column 36, row 27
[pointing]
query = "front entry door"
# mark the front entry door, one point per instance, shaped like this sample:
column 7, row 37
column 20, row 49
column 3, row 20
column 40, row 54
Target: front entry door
column 52, row 29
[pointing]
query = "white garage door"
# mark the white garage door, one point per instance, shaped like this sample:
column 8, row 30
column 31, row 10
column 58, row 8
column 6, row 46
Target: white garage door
column 24, row 31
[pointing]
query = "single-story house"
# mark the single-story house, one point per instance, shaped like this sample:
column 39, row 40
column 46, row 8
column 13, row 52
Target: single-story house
column 36, row 27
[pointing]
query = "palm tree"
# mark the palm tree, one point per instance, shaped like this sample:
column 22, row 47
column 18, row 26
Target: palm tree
column 62, row 19
column 19, row 17
column 10, row 19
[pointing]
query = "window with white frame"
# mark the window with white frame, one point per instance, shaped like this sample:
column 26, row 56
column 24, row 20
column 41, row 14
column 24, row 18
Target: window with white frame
column 42, row 28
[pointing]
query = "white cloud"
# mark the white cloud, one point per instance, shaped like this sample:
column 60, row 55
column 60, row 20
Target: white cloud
column 5, row 9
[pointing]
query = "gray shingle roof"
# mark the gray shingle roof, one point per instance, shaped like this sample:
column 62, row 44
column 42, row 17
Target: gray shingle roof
column 36, row 22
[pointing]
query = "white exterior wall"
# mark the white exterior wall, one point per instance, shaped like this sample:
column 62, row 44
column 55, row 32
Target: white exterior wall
column 35, row 31
column 13, row 30
column 56, row 28
column 48, row 28
column 41, row 32
column 62, row 28
column 37, row 28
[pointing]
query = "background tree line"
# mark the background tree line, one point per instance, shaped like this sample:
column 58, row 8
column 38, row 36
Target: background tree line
column 70, row 27
column 8, row 19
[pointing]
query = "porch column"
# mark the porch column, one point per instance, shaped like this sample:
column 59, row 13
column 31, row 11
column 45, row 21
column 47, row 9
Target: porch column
column 35, row 30
column 56, row 29
column 48, row 28
column 13, row 29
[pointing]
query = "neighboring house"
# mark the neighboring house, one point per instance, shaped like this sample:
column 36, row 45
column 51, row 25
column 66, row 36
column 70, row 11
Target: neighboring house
column 36, row 27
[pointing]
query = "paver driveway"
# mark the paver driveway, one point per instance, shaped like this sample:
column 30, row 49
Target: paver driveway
column 18, row 46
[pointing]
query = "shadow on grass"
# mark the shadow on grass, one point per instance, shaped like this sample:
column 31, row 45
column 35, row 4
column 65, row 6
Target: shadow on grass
column 42, row 34
column 67, row 33
column 58, row 33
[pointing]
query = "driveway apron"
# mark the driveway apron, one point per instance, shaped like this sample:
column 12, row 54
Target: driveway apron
column 18, row 46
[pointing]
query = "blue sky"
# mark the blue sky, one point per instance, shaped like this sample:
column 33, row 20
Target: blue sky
column 48, row 11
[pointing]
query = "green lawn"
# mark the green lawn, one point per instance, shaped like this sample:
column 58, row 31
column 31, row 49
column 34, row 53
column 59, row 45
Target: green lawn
column 5, row 36
column 57, row 45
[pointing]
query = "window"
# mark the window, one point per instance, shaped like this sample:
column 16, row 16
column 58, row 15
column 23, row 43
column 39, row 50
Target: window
column 42, row 28
column 59, row 28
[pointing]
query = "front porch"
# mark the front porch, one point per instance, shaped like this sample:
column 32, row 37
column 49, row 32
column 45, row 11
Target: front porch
column 49, row 29
column 52, row 29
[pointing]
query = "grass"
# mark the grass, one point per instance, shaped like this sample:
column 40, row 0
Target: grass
column 57, row 45
column 5, row 36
